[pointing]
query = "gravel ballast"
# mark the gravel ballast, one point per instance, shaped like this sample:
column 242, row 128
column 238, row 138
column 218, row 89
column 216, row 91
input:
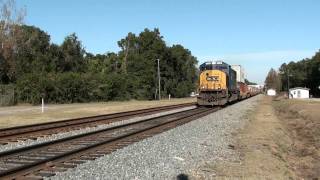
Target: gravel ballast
column 177, row 151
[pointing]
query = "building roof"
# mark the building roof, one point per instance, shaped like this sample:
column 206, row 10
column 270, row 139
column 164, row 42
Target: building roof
column 299, row 88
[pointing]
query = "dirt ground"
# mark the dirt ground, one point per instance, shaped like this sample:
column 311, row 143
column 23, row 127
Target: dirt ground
column 281, row 141
column 27, row 114
column 302, row 120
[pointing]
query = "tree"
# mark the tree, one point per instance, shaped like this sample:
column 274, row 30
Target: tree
column 57, row 57
column 126, row 45
column 273, row 80
column 181, row 73
column 66, row 73
column 103, row 63
column 73, row 55
column 10, row 19
column 249, row 83
column 32, row 50
column 303, row 73
column 138, row 55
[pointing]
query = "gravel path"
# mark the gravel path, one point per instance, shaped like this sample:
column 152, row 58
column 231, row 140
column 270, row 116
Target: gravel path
column 84, row 130
column 177, row 151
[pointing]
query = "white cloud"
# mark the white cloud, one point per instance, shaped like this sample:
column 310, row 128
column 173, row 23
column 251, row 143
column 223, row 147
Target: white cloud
column 257, row 64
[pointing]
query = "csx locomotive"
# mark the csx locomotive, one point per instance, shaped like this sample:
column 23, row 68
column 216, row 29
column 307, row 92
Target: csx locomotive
column 218, row 84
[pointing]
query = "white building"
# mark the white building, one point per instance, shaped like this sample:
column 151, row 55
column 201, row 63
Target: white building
column 271, row 92
column 240, row 72
column 299, row 92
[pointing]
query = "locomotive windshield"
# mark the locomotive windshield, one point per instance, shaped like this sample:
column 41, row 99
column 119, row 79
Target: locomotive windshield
column 213, row 65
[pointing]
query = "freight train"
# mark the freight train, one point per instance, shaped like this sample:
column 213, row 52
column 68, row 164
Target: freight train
column 220, row 84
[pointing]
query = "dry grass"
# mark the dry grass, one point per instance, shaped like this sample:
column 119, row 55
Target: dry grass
column 302, row 119
column 27, row 114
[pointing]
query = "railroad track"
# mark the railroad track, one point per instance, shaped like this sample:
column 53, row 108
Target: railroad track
column 35, row 131
column 45, row 159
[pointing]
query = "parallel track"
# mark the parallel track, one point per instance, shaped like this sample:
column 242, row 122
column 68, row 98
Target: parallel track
column 35, row 131
column 45, row 159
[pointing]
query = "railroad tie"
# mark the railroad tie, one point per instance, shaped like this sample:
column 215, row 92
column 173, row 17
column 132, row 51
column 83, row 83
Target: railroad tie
column 45, row 173
column 77, row 161
column 87, row 158
column 31, row 177
column 66, row 165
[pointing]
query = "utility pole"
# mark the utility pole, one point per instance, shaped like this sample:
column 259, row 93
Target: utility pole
column 159, row 77
column 288, row 84
column 288, row 76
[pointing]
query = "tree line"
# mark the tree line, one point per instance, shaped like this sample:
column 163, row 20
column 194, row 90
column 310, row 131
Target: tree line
column 303, row 73
column 67, row 73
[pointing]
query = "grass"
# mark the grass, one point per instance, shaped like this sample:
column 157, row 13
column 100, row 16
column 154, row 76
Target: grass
column 27, row 114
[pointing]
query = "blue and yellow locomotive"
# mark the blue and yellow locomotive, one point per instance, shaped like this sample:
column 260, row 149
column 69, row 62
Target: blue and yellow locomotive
column 217, row 84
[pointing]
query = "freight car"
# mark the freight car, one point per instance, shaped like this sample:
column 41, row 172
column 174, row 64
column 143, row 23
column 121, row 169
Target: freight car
column 253, row 90
column 244, row 90
column 218, row 84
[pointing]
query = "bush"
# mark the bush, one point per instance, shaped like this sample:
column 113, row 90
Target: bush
column 63, row 88
column 7, row 95
column 32, row 87
column 117, row 87
column 182, row 89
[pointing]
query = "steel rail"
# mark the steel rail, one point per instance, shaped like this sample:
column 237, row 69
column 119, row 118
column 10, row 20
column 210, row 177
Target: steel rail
column 104, row 138
column 36, row 130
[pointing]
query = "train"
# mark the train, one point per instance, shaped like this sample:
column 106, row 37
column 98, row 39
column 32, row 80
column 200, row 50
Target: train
column 220, row 84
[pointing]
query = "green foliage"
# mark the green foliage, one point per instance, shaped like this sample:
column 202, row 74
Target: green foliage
column 181, row 73
column 73, row 55
column 7, row 95
column 66, row 73
column 249, row 83
column 304, row 73
column 66, row 87
column 32, row 87
column 31, row 55
column 140, row 53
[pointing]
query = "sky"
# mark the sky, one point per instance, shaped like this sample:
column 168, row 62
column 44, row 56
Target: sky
column 257, row 34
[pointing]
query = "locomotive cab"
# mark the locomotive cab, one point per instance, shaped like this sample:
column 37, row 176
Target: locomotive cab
column 217, row 84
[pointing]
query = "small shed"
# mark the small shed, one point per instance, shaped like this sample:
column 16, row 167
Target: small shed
column 299, row 92
column 271, row 92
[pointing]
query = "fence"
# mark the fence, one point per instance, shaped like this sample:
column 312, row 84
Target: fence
column 7, row 95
